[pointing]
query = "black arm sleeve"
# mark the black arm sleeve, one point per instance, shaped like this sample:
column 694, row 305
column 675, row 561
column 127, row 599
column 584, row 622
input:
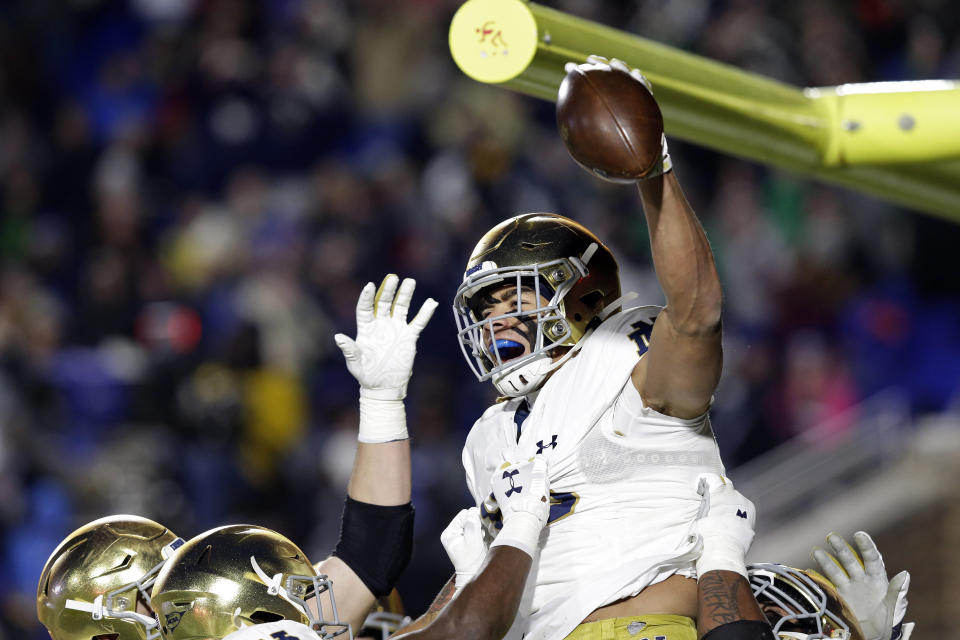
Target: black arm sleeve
column 376, row 542
column 741, row 630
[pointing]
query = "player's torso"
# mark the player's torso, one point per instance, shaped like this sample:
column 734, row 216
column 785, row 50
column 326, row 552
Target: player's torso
column 622, row 486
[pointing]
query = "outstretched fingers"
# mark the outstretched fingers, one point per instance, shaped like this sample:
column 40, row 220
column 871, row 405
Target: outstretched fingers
column 830, row 567
column 423, row 316
column 872, row 560
column 385, row 295
column 365, row 305
column 848, row 558
column 404, row 295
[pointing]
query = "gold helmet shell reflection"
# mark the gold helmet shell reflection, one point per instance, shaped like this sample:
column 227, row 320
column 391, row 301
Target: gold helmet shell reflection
column 235, row 576
column 93, row 580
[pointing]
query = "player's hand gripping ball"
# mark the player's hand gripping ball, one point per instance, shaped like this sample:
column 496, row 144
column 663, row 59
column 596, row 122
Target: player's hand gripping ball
column 610, row 121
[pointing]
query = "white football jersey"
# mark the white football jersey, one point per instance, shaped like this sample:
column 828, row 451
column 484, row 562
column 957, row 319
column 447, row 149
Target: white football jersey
column 279, row 630
column 622, row 480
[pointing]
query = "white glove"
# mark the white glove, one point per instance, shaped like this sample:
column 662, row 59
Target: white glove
column 463, row 541
column 523, row 495
column 725, row 524
column 599, row 62
column 861, row 581
column 381, row 358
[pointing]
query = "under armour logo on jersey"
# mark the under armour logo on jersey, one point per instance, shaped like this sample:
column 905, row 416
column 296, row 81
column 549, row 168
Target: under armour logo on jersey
column 741, row 513
column 541, row 447
column 508, row 475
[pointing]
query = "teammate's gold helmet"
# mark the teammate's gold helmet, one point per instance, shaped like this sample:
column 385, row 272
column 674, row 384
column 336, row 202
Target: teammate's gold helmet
column 559, row 260
column 92, row 582
column 235, row 576
column 802, row 605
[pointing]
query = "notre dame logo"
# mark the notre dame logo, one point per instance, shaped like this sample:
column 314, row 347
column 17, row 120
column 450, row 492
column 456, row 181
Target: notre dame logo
column 173, row 619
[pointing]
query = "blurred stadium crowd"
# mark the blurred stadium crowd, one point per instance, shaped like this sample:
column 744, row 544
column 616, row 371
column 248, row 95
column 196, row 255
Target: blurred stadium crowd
column 193, row 193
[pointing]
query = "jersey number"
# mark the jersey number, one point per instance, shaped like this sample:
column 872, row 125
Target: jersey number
column 641, row 335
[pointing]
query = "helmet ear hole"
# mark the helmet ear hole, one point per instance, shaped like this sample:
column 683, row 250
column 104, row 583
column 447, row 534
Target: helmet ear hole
column 265, row 616
column 591, row 299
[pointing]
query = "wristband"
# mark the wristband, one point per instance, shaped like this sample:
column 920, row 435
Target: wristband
column 522, row 531
column 381, row 420
column 723, row 555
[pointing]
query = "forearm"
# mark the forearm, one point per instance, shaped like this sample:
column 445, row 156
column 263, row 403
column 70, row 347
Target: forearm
column 681, row 256
column 725, row 597
column 381, row 473
column 485, row 607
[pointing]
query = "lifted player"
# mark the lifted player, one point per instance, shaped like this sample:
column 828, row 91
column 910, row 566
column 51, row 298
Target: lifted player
column 616, row 399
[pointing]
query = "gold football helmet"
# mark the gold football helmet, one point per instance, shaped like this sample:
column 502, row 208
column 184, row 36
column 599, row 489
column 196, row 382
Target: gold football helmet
column 558, row 259
column 802, row 604
column 239, row 575
column 93, row 581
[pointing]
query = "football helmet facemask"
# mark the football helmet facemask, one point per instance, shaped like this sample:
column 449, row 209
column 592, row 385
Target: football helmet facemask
column 93, row 580
column 239, row 575
column 385, row 618
column 558, row 260
column 801, row 605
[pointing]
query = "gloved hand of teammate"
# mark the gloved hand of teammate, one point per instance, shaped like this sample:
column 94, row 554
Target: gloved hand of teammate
column 464, row 543
column 523, row 495
column 725, row 524
column 600, row 62
column 381, row 357
column 861, row 580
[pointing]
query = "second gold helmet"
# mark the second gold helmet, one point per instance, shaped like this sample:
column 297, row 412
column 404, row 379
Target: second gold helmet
column 235, row 576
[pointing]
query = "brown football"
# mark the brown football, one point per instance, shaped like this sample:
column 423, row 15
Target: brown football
column 610, row 123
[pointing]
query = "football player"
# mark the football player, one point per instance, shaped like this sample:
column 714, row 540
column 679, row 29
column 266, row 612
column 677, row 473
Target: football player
column 96, row 583
column 616, row 398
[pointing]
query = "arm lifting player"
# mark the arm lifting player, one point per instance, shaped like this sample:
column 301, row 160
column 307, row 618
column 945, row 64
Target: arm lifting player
column 489, row 585
column 377, row 529
column 250, row 581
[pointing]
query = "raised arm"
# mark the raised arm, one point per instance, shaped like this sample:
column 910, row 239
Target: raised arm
column 612, row 127
column 681, row 368
column 377, row 528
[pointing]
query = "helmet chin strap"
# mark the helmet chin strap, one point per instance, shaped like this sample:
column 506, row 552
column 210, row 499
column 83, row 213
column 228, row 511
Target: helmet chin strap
column 274, row 587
